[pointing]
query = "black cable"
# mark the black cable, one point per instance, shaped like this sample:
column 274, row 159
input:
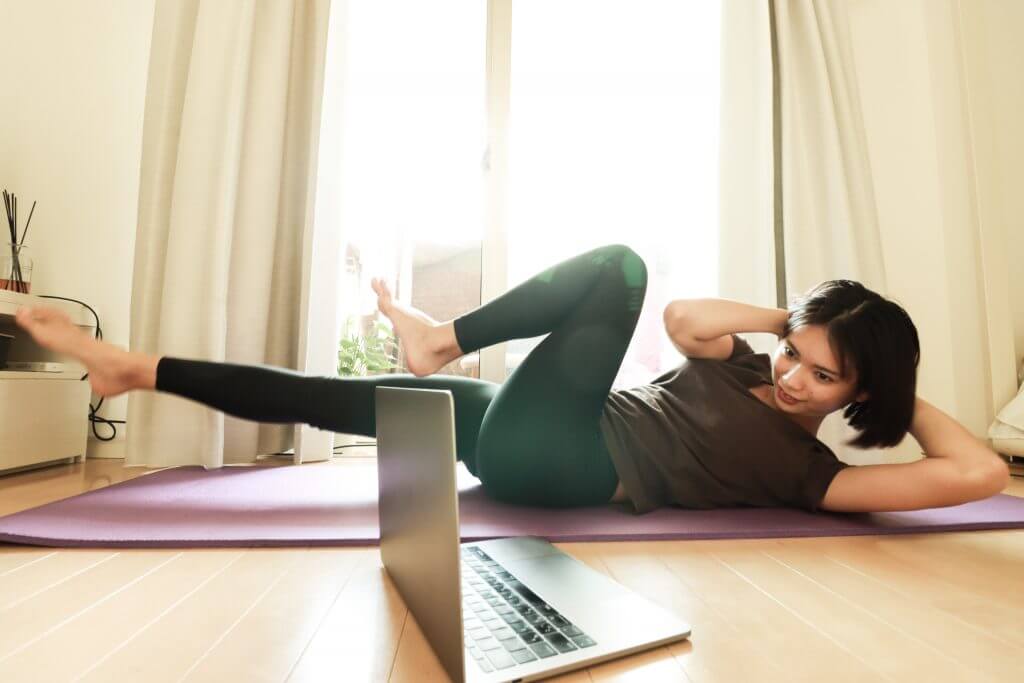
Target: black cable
column 348, row 445
column 93, row 411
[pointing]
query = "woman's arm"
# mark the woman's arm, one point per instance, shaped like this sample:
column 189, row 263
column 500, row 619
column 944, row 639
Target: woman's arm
column 943, row 437
column 701, row 328
column 957, row 468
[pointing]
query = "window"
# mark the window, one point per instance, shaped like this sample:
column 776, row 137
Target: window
column 611, row 136
column 412, row 132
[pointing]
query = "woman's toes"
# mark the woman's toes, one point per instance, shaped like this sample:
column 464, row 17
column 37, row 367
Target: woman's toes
column 51, row 328
column 23, row 316
column 383, row 295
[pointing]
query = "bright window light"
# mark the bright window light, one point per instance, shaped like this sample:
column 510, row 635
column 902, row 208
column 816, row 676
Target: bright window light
column 612, row 138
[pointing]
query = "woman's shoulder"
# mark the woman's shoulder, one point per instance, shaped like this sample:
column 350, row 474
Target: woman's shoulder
column 746, row 364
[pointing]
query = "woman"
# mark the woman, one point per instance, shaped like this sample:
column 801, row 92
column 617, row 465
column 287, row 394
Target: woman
column 726, row 428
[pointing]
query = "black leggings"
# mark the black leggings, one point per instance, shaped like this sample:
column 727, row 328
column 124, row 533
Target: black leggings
column 532, row 440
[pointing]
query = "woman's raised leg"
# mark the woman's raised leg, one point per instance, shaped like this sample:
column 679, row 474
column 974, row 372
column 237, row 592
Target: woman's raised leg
column 255, row 392
column 339, row 404
column 112, row 370
column 540, row 440
column 536, row 437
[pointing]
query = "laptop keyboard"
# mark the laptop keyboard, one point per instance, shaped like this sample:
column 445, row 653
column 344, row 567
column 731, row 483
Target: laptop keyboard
column 505, row 622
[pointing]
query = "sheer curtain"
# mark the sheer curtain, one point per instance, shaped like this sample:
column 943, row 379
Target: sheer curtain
column 797, row 196
column 228, row 266
column 854, row 160
column 829, row 215
column 613, row 138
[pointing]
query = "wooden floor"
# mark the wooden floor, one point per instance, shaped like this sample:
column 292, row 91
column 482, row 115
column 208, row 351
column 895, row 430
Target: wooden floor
column 929, row 607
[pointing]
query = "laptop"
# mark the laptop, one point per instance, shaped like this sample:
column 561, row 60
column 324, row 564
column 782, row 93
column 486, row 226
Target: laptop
column 509, row 609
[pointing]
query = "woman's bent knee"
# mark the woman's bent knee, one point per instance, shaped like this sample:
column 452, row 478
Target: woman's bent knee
column 634, row 270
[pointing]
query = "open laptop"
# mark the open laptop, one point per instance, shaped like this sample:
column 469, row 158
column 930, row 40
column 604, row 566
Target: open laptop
column 509, row 609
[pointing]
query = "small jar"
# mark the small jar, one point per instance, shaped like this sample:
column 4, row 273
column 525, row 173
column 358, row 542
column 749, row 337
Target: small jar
column 15, row 268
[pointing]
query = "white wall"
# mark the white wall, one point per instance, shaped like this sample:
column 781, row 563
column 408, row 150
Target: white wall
column 72, row 102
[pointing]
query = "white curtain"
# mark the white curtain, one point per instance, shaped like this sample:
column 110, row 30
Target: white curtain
column 795, row 174
column 235, row 253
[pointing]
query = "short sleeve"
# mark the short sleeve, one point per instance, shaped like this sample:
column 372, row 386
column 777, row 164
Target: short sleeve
column 822, row 468
column 743, row 356
column 740, row 347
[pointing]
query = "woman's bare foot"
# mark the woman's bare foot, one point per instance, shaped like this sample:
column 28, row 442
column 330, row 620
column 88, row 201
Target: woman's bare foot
column 112, row 370
column 429, row 345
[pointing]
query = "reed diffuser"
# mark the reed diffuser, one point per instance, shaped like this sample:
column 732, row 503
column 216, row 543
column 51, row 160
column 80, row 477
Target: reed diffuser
column 16, row 271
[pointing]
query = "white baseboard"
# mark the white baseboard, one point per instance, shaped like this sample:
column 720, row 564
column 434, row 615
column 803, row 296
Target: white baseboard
column 114, row 449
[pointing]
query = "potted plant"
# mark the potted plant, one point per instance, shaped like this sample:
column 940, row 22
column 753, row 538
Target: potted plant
column 359, row 355
column 362, row 354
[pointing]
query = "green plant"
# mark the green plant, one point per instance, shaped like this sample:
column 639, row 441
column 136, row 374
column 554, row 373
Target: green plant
column 376, row 352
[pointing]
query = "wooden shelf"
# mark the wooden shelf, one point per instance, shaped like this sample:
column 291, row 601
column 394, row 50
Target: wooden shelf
column 10, row 302
column 44, row 421
column 67, row 374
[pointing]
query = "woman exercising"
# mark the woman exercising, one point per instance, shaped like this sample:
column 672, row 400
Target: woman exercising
column 726, row 428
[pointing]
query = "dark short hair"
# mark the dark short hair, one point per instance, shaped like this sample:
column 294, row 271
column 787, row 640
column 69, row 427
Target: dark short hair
column 875, row 337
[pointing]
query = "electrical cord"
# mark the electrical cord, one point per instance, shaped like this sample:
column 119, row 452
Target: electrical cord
column 94, row 416
column 348, row 445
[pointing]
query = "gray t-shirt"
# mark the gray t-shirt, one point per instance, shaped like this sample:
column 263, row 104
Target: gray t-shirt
column 695, row 437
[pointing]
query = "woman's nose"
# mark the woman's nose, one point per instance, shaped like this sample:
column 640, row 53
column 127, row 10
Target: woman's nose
column 791, row 377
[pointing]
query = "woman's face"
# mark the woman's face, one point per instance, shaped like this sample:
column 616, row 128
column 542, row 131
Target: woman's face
column 804, row 367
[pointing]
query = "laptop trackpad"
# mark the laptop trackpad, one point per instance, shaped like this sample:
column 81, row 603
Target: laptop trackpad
column 562, row 580
column 596, row 603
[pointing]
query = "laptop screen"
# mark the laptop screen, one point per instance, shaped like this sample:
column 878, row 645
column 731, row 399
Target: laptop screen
column 419, row 517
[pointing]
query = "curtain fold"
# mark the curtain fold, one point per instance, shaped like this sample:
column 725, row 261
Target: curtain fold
column 223, row 261
column 747, row 249
column 829, row 216
column 796, row 177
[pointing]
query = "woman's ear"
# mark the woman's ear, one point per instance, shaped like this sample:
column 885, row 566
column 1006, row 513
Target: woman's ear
column 862, row 396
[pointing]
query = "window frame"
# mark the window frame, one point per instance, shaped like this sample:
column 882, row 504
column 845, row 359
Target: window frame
column 493, row 247
column 494, row 256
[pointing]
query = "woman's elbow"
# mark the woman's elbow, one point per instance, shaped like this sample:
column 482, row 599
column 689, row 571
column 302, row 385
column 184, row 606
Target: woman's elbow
column 674, row 314
column 992, row 479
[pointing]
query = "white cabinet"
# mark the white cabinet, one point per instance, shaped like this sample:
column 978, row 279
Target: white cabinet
column 45, row 415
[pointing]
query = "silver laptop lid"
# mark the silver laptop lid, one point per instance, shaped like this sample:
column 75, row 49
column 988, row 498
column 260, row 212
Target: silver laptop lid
column 419, row 514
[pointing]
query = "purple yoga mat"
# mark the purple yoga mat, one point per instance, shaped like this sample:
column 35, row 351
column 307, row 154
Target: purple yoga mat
column 328, row 505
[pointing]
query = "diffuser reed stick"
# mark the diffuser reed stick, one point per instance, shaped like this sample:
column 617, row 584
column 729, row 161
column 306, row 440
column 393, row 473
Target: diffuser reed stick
column 16, row 277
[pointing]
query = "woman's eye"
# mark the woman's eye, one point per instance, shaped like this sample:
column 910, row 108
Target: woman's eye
column 824, row 377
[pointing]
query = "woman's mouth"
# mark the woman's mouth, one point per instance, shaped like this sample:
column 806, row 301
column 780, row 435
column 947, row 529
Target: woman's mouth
column 784, row 397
